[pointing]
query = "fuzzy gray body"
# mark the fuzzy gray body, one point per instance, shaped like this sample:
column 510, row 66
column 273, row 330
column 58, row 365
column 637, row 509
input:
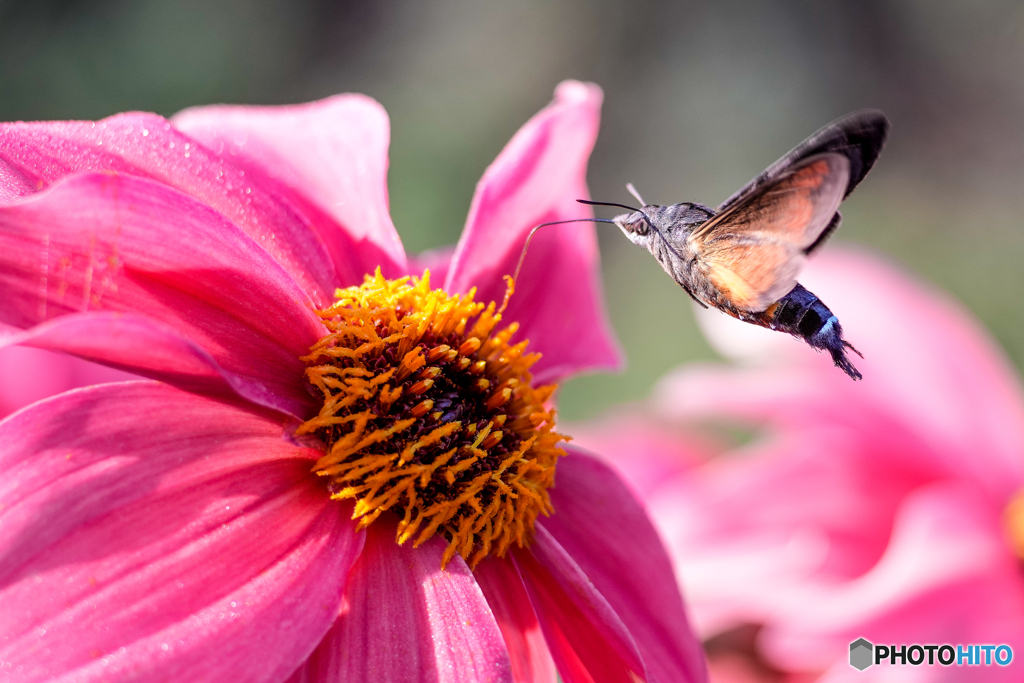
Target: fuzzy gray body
column 670, row 245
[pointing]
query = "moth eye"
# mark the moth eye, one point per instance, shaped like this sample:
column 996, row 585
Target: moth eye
column 640, row 227
column 632, row 224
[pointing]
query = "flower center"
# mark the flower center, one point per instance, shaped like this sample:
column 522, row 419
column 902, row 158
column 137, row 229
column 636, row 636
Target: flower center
column 429, row 412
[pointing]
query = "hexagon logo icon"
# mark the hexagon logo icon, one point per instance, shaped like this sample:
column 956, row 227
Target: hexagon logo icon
column 860, row 654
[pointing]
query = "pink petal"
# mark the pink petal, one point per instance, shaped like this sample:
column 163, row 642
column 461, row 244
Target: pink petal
column 332, row 156
column 407, row 620
column 501, row 584
column 536, row 179
column 437, row 261
column 151, row 534
column 146, row 347
column 927, row 363
column 934, row 364
column 586, row 638
column 38, row 154
column 606, row 531
column 12, row 183
column 787, row 397
column 29, row 375
column 814, row 504
column 123, row 244
column 645, row 453
column 947, row 577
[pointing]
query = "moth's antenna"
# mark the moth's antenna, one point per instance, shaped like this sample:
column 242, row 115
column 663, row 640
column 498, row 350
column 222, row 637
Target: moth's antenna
column 526, row 245
column 632, row 191
column 647, row 218
column 621, row 206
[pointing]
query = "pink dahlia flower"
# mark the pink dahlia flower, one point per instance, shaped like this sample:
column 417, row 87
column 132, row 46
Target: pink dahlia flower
column 244, row 257
column 28, row 375
column 881, row 509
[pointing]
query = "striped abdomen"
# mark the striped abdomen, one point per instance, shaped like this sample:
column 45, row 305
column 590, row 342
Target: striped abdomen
column 803, row 315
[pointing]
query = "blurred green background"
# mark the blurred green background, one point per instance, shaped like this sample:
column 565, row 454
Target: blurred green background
column 700, row 96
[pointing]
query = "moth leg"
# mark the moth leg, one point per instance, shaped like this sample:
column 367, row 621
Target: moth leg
column 687, row 290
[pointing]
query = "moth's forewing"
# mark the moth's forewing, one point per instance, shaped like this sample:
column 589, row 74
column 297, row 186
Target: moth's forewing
column 859, row 137
column 752, row 252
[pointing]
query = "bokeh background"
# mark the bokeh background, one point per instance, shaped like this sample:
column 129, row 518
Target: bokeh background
column 700, row 96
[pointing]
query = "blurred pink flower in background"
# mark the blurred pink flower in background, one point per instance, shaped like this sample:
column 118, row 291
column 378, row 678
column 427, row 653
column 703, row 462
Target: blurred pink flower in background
column 173, row 530
column 880, row 509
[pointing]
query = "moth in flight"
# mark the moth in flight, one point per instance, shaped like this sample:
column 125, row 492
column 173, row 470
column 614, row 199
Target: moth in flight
column 743, row 258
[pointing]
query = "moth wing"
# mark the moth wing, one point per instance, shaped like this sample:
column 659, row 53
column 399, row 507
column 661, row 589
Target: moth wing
column 858, row 136
column 753, row 251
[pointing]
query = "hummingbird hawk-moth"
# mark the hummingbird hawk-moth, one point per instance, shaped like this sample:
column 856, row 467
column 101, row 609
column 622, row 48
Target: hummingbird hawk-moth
column 743, row 258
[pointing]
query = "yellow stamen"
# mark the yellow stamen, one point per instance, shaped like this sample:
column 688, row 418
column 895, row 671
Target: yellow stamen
column 437, row 353
column 469, row 346
column 422, row 408
column 499, row 398
column 421, row 386
column 429, row 413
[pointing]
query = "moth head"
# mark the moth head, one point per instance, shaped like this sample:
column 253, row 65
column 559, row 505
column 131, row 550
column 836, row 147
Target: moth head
column 634, row 224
